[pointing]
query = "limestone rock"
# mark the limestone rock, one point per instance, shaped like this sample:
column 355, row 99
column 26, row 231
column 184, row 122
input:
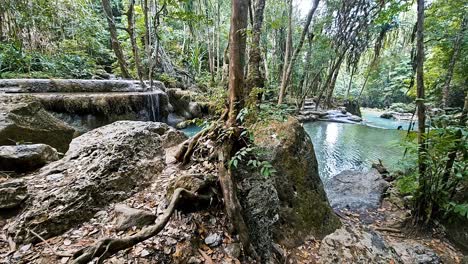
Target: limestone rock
column 304, row 209
column 387, row 115
column 354, row 244
column 23, row 119
column 356, row 191
column 129, row 217
column 12, row 193
column 105, row 165
column 353, row 107
column 22, row 158
column 413, row 252
column 214, row 240
column 233, row 250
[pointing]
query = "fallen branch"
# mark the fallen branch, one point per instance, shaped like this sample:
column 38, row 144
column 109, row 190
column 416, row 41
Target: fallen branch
column 107, row 247
column 49, row 246
column 388, row 229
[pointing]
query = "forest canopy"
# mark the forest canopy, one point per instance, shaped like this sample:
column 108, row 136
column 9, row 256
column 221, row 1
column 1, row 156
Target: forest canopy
column 348, row 49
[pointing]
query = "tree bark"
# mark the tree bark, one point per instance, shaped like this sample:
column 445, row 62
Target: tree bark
column 456, row 51
column 135, row 49
column 254, row 76
column 290, row 64
column 106, row 6
column 287, row 53
column 237, row 48
column 423, row 200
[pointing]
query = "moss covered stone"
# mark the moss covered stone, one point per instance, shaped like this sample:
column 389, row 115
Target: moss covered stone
column 304, row 208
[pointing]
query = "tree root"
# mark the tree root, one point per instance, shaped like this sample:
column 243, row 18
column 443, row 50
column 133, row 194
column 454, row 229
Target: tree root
column 231, row 202
column 107, row 247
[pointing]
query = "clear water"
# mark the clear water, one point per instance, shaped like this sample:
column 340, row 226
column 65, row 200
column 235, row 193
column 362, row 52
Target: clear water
column 340, row 147
column 372, row 118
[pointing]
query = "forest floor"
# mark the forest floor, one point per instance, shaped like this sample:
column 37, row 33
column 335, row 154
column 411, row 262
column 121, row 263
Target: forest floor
column 183, row 239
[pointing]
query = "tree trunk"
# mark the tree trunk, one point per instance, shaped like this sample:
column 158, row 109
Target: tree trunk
column 290, row 64
column 456, row 51
column 422, row 214
column 287, row 53
column 106, row 6
column 135, row 49
column 254, row 76
column 353, row 71
column 237, row 46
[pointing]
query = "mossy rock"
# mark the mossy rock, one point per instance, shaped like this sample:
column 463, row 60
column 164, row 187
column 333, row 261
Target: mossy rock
column 304, row 208
column 23, row 119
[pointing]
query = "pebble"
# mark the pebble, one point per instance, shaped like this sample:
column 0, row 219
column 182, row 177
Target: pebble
column 213, row 240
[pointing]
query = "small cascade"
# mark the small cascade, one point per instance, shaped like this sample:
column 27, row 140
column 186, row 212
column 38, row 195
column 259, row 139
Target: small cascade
column 153, row 107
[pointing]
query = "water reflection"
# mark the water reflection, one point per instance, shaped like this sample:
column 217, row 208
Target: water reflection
column 341, row 147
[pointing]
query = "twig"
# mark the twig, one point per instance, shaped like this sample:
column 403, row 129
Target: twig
column 388, row 229
column 207, row 258
column 49, row 246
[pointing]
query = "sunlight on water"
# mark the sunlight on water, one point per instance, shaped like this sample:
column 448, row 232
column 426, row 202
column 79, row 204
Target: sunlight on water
column 340, row 147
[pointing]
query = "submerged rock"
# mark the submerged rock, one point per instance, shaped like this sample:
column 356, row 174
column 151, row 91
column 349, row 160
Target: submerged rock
column 304, row 209
column 12, row 193
column 22, row 158
column 354, row 244
column 105, row 165
column 356, row 191
column 23, row 119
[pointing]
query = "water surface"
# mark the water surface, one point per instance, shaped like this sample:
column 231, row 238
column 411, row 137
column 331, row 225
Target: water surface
column 340, row 147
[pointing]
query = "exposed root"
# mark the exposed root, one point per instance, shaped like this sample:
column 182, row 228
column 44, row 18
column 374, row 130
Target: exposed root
column 231, row 202
column 105, row 248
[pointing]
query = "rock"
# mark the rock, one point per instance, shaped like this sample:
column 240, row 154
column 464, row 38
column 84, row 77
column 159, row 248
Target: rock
column 127, row 217
column 12, row 193
column 194, row 110
column 355, row 118
column 73, row 86
column 180, row 101
column 214, row 240
column 353, row 107
column 22, row 158
column 306, row 118
column 387, row 115
column 355, row 244
column 304, row 209
column 87, row 111
column 356, row 191
column 23, row 119
column 183, row 124
column 105, row 165
column 233, row 250
column 456, row 228
column 412, row 252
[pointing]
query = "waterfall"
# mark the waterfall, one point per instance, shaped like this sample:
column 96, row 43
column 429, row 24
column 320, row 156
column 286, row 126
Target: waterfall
column 153, row 107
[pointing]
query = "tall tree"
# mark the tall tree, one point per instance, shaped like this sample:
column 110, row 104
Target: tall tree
column 422, row 199
column 254, row 77
column 287, row 69
column 106, row 6
column 455, row 54
column 135, row 49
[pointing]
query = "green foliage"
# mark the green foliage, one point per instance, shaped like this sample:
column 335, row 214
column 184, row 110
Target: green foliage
column 444, row 140
column 249, row 155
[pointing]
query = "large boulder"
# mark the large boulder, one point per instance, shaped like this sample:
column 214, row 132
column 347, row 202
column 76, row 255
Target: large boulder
column 23, row 119
column 355, row 244
column 353, row 107
column 356, row 191
column 12, row 193
column 22, row 158
column 304, row 209
column 105, row 165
